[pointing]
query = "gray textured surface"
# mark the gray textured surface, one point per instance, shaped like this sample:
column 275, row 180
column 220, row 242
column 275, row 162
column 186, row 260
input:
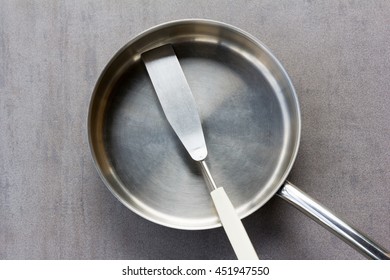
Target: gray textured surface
column 53, row 204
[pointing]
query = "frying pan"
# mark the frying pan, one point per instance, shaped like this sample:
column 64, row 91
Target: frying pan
column 251, row 120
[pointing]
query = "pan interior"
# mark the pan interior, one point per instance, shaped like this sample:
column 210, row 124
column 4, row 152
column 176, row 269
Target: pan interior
column 250, row 120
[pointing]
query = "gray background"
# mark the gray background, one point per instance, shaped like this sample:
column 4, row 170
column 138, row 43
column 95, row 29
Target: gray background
column 53, row 204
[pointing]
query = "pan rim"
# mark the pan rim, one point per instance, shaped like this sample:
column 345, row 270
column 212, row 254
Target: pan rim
column 258, row 43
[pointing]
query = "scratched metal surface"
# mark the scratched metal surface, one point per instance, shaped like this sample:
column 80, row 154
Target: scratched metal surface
column 53, row 204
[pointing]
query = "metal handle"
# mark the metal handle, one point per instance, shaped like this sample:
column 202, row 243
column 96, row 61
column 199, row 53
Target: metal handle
column 231, row 223
column 326, row 218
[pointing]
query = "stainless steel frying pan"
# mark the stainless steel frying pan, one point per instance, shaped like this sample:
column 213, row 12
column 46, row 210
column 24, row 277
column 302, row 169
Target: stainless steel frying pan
column 251, row 120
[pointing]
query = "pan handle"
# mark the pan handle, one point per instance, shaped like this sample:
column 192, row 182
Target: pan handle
column 326, row 218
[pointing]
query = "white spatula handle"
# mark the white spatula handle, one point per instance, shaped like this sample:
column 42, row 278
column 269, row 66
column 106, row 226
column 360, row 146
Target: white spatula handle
column 233, row 226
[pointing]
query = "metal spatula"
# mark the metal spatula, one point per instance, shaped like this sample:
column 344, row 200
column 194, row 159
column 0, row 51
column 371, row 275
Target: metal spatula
column 180, row 109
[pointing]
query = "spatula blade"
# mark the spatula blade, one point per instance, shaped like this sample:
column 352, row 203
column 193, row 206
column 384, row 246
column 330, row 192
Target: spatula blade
column 176, row 99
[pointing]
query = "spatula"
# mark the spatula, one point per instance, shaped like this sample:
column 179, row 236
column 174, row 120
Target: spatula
column 180, row 110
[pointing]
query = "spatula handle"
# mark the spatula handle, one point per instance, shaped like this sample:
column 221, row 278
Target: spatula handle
column 233, row 226
column 230, row 221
